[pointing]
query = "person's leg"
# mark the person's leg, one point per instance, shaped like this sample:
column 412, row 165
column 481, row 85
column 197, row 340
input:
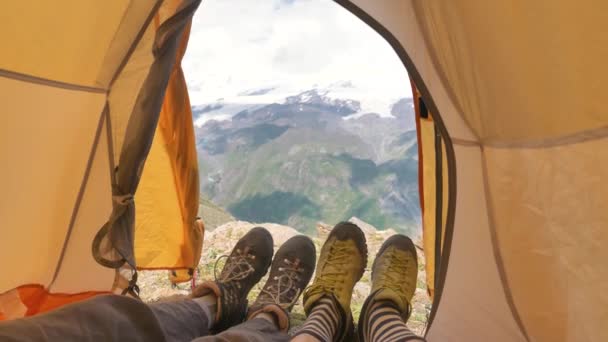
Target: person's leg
column 222, row 302
column 103, row 318
column 394, row 276
column 385, row 323
column 186, row 319
column 268, row 316
column 253, row 330
column 119, row 318
column 322, row 323
column 327, row 301
column 247, row 264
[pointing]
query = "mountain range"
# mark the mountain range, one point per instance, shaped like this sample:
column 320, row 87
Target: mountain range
column 317, row 155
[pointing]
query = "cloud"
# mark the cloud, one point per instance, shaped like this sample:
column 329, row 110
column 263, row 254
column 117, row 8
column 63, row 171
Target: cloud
column 287, row 2
column 239, row 45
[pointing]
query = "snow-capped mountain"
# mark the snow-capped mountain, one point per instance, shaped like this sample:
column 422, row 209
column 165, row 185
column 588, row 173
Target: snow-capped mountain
column 321, row 99
column 310, row 156
column 345, row 97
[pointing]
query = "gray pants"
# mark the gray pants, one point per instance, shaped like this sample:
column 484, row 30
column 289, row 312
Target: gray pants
column 119, row 318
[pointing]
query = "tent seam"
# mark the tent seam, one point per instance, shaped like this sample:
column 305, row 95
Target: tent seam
column 112, row 42
column 51, row 83
column 80, row 196
column 576, row 138
column 110, row 138
column 464, row 142
column 112, row 166
column 496, row 250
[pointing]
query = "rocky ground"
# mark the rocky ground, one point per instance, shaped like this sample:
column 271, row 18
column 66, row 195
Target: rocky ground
column 155, row 285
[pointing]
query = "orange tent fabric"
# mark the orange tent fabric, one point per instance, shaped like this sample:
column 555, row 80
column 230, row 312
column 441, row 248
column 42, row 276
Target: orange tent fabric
column 167, row 235
column 28, row 300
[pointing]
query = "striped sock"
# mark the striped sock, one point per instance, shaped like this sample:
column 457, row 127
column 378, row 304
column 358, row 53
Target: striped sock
column 385, row 323
column 323, row 321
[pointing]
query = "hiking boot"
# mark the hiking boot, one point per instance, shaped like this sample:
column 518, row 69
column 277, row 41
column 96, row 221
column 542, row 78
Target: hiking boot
column 245, row 266
column 341, row 264
column 394, row 276
column 291, row 270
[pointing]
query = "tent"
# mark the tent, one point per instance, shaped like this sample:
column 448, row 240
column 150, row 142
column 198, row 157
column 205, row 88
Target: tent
column 91, row 89
column 99, row 161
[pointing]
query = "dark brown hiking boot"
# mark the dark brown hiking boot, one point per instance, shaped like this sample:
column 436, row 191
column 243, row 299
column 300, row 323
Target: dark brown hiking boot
column 341, row 264
column 245, row 266
column 291, row 270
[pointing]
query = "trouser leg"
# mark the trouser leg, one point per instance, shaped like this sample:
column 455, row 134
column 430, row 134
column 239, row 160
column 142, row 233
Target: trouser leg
column 103, row 318
column 181, row 320
column 254, row 330
column 111, row 318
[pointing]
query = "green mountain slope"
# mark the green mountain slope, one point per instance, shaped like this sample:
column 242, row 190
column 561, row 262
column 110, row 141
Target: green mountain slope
column 297, row 164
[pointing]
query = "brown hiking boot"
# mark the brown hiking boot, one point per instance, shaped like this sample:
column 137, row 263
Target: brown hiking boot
column 394, row 277
column 290, row 272
column 341, row 264
column 245, row 266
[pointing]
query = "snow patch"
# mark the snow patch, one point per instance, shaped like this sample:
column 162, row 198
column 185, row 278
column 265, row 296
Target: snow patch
column 203, row 119
column 371, row 99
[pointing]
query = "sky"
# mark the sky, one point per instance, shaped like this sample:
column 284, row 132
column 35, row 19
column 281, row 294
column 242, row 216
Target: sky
column 288, row 46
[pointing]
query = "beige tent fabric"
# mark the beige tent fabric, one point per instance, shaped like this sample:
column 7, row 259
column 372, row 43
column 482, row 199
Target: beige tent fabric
column 47, row 43
column 548, row 203
column 472, row 306
column 45, row 142
column 87, row 46
column 521, row 71
column 550, row 212
column 78, row 270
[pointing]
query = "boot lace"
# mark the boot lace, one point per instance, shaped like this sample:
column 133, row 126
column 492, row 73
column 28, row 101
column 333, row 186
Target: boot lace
column 392, row 277
column 332, row 275
column 285, row 286
column 237, row 267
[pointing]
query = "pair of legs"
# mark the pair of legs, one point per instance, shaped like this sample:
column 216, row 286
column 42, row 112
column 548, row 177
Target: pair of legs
column 219, row 311
column 341, row 264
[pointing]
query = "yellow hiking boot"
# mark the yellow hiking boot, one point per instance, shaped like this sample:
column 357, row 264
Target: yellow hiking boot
column 394, row 277
column 341, row 264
